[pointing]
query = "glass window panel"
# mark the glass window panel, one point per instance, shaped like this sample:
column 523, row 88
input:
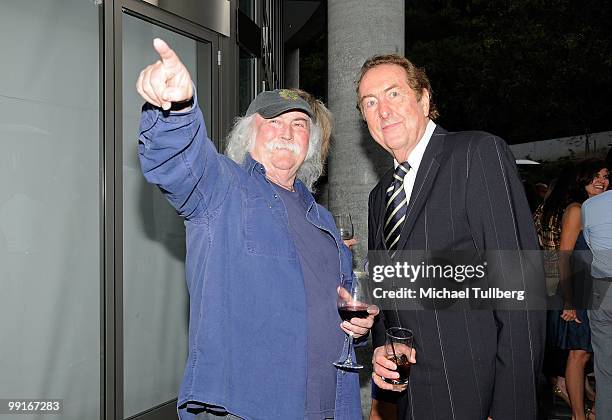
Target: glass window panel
column 246, row 85
column 248, row 7
column 155, row 294
column 50, row 204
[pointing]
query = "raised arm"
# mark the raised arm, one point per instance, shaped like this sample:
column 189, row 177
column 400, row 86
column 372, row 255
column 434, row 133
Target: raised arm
column 175, row 152
column 166, row 81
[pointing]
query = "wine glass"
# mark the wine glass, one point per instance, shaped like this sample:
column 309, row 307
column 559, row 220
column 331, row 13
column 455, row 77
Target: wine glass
column 345, row 225
column 352, row 302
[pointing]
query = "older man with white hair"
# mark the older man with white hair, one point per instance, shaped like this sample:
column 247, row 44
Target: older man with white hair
column 264, row 260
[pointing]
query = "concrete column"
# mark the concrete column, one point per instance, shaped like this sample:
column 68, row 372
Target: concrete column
column 357, row 29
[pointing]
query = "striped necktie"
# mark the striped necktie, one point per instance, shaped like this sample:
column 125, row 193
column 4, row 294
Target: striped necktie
column 395, row 213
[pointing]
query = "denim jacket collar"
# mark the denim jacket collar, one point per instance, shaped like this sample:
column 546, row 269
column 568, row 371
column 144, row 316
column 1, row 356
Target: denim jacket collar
column 252, row 166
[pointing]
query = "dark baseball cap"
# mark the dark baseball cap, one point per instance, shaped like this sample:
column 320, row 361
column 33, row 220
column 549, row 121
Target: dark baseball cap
column 272, row 103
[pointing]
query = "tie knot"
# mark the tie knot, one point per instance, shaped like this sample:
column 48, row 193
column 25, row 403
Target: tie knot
column 401, row 171
column 398, row 177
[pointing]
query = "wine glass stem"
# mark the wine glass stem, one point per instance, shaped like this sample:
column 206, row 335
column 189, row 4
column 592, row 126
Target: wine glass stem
column 350, row 348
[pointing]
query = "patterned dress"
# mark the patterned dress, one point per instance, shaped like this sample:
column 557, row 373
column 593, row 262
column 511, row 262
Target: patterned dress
column 549, row 236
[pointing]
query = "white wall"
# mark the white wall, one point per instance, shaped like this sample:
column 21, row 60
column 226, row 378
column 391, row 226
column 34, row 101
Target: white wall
column 578, row 147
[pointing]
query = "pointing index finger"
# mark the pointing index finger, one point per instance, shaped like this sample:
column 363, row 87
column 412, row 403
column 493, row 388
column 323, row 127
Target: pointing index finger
column 167, row 55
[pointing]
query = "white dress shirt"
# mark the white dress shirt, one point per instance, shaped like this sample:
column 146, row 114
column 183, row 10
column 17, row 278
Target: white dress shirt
column 415, row 157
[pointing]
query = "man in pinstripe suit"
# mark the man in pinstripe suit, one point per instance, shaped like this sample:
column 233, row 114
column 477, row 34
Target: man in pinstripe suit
column 462, row 192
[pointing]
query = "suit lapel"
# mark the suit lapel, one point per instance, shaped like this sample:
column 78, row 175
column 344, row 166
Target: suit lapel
column 381, row 203
column 428, row 169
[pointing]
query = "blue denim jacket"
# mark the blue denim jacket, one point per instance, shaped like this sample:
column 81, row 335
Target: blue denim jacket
column 247, row 315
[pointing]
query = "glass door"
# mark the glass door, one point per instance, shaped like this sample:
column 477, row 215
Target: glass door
column 155, row 301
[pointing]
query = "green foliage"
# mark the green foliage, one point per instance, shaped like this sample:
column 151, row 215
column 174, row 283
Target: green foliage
column 525, row 70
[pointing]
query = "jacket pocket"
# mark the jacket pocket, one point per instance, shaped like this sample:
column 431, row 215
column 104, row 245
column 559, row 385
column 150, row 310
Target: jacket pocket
column 266, row 231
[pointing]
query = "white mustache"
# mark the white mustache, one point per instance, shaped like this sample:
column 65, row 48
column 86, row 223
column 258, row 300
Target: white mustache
column 292, row 147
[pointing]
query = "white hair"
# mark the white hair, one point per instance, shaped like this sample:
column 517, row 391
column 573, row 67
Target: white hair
column 241, row 141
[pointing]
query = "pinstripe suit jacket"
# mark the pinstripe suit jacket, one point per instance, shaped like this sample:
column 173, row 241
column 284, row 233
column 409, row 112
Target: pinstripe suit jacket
column 472, row 363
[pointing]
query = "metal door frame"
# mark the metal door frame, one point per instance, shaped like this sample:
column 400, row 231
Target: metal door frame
column 111, row 184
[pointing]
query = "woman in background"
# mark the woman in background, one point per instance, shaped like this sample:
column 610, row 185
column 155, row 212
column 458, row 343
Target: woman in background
column 547, row 220
column 573, row 331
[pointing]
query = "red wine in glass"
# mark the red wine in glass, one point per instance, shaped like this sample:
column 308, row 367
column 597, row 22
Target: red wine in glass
column 353, row 310
column 352, row 302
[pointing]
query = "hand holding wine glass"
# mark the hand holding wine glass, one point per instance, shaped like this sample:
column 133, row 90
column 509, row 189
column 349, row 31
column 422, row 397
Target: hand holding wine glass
column 357, row 315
